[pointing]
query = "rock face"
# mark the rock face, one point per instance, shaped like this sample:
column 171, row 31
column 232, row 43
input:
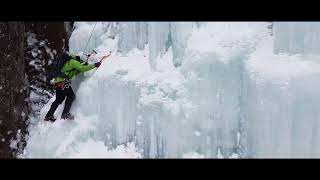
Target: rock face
column 13, row 89
column 27, row 51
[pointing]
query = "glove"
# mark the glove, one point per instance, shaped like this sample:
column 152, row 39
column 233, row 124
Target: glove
column 97, row 64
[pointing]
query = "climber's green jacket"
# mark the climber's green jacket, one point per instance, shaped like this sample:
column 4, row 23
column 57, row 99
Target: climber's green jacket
column 72, row 68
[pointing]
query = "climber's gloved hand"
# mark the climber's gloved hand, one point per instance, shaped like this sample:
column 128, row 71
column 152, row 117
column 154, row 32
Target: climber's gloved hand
column 97, row 64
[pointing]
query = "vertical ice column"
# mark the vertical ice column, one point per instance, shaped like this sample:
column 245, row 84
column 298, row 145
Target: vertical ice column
column 214, row 87
column 142, row 34
column 163, row 35
column 158, row 36
column 132, row 35
column 128, row 37
column 297, row 37
column 180, row 31
column 282, row 119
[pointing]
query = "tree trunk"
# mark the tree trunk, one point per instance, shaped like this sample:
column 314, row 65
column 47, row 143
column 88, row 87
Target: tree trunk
column 13, row 89
column 26, row 52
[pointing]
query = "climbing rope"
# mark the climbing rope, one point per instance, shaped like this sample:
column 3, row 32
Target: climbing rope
column 102, row 59
column 90, row 36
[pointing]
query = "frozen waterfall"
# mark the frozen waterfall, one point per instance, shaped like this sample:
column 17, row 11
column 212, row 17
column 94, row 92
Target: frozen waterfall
column 189, row 89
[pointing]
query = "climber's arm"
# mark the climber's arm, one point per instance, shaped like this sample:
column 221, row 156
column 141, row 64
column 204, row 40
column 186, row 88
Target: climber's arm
column 81, row 68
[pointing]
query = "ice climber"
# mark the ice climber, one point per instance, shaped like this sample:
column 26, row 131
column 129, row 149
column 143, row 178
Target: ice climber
column 67, row 67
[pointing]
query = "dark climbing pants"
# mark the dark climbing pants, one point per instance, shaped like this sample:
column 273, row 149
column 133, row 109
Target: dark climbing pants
column 61, row 94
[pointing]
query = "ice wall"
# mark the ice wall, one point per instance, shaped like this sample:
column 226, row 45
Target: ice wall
column 280, row 106
column 214, row 65
column 212, row 90
column 203, row 96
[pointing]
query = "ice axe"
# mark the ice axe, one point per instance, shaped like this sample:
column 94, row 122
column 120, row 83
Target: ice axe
column 104, row 57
